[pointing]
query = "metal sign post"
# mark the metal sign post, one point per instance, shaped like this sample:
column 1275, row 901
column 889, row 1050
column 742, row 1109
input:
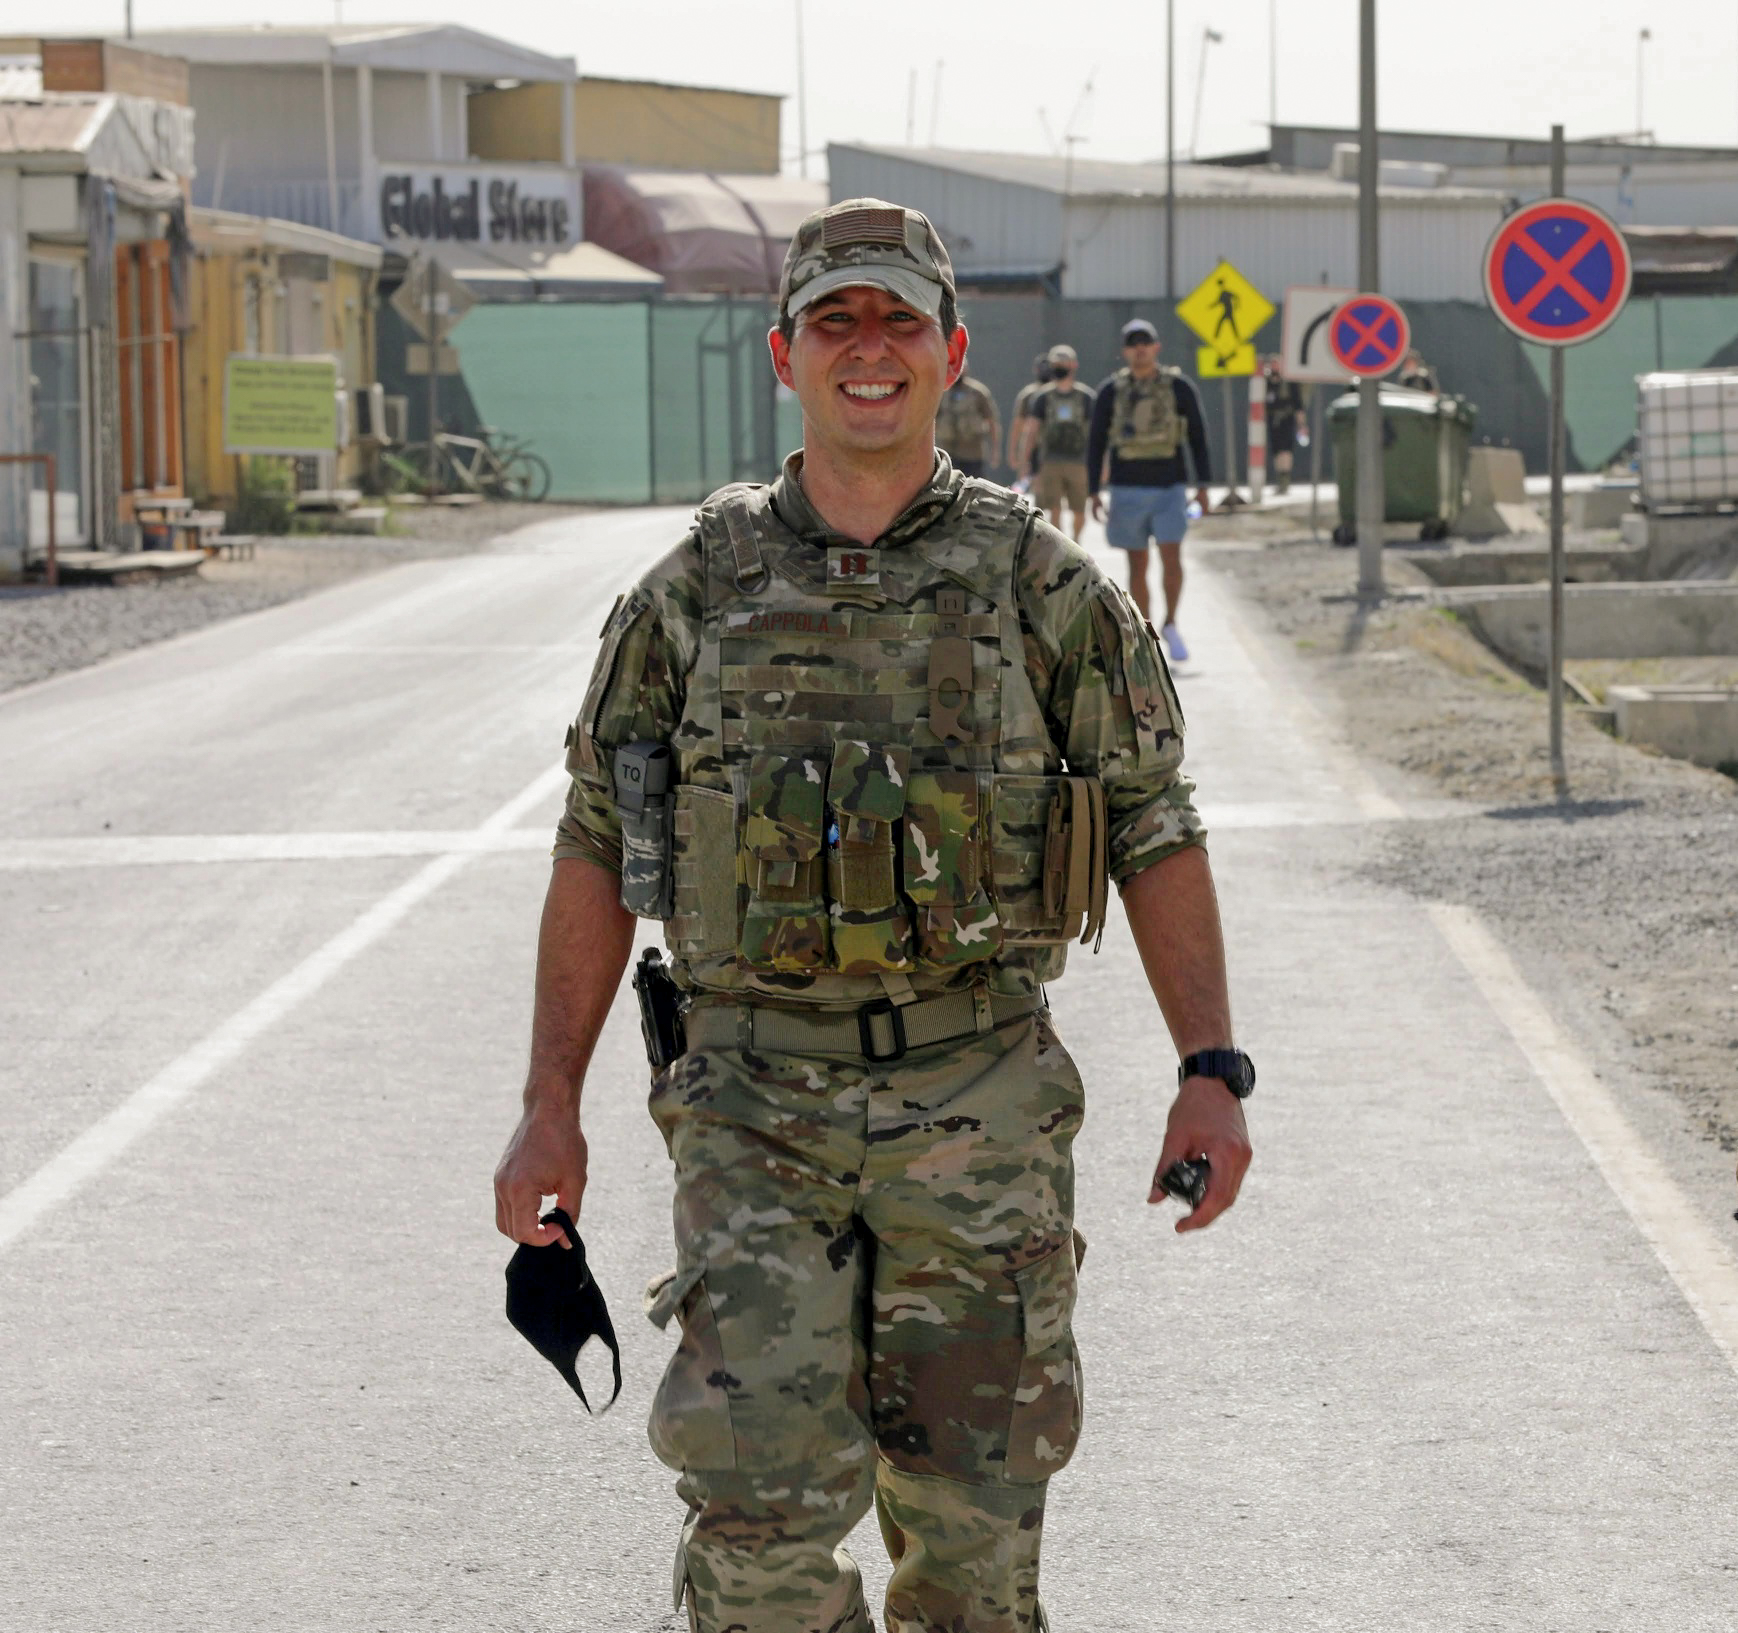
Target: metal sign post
column 433, row 308
column 1554, row 678
column 1372, row 489
column 1557, row 272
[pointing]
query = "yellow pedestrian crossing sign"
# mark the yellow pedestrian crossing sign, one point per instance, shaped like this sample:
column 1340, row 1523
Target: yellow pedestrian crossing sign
column 1215, row 362
column 1227, row 311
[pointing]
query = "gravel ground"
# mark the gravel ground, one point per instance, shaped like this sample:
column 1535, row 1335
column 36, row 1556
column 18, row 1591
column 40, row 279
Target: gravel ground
column 43, row 633
column 1624, row 895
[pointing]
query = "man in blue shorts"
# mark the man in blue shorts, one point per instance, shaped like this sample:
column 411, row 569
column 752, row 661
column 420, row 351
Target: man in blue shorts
column 1143, row 417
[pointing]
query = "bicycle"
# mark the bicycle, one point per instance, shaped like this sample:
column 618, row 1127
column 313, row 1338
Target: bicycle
column 493, row 464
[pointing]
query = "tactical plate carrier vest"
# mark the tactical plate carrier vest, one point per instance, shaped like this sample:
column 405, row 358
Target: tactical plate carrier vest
column 1066, row 413
column 866, row 789
column 1145, row 422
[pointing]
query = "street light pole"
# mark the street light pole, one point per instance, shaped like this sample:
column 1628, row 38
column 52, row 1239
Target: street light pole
column 802, row 101
column 1170, row 153
column 1641, row 39
column 1372, row 486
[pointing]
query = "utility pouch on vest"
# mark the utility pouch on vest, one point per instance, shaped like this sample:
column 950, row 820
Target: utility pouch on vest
column 944, row 866
column 785, row 923
column 950, row 669
column 704, row 867
column 866, row 794
column 642, row 779
column 1076, row 858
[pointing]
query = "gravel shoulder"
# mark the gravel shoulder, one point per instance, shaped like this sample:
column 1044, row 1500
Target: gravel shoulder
column 45, row 633
column 1624, row 896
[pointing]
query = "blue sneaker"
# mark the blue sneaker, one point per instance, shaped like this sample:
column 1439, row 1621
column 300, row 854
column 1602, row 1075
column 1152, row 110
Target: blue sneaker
column 1174, row 644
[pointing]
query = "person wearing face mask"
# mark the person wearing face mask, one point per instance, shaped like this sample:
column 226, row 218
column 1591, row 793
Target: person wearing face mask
column 1055, row 428
column 872, row 743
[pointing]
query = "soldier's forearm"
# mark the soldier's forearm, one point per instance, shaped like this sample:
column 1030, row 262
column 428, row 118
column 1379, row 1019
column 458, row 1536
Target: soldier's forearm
column 1174, row 914
column 582, row 948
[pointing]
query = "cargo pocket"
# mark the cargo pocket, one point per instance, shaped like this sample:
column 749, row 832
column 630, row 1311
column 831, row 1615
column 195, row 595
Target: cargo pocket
column 690, row 1425
column 784, row 926
column 866, row 797
column 943, row 870
column 703, row 860
column 1045, row 1426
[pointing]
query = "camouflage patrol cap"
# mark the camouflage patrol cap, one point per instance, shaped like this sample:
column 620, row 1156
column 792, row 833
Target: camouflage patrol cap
column 866, row 241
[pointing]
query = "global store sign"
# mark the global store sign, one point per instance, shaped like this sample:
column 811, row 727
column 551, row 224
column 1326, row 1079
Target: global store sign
column 476, row 205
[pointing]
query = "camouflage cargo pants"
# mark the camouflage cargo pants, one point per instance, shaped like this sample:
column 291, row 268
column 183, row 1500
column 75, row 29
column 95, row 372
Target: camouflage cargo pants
column 876, row 1272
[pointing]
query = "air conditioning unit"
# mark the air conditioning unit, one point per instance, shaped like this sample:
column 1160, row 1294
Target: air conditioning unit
column 369, row 413
column 395, row 418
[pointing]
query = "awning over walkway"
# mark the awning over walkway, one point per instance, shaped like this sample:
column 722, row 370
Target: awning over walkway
column 519, row 273
column 705, row 234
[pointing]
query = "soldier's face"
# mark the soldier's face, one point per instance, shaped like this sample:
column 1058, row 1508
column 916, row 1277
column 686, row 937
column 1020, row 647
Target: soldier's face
column 868, row 369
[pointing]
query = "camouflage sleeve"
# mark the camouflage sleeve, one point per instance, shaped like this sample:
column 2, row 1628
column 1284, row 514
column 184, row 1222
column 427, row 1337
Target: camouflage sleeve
column 1108, row 698
column 637, row 691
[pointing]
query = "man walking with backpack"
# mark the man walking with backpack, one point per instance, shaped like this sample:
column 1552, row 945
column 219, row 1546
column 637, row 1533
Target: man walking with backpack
column 1143, row 417
column 1056, row 423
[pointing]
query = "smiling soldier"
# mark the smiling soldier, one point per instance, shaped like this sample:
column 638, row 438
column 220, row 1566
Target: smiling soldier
column 912, row 734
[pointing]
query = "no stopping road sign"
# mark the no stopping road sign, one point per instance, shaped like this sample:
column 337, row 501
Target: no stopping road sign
column 1368, row 335
column 1557, row 272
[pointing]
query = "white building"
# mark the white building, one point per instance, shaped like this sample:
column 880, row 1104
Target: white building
column 363, row 130
column 91, row 224
column 1097, row 228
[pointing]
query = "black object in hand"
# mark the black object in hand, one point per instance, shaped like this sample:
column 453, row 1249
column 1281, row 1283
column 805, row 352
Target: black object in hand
column 554, row 1301
column 1187, row 1181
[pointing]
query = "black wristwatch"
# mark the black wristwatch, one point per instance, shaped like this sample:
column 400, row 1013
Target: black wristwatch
column 1232, row 1067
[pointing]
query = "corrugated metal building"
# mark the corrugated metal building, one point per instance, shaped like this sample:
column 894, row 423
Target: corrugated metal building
column 1010, row 217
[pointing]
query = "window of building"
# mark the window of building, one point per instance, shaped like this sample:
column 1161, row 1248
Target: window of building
column 55, row 337
column 148, row 357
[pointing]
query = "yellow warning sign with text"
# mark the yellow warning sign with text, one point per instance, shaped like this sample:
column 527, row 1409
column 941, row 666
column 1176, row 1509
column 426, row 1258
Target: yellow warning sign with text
column 1226, row 310
column 1214, row 363
column 280, row 405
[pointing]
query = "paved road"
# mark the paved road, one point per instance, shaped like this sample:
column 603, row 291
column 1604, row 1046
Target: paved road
column 270, row 894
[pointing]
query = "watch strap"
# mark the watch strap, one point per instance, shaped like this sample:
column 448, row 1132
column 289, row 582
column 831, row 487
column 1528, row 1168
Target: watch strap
column 1232, row 1067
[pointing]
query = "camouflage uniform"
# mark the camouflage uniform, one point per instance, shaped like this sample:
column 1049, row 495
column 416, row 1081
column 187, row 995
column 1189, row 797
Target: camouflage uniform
column 968, row 426
column 893, row 766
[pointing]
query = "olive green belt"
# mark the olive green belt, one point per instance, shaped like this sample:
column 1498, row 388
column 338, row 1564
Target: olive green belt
column 880, row 1031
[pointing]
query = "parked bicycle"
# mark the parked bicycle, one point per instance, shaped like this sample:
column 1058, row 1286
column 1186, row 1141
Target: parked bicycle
column 493, row 464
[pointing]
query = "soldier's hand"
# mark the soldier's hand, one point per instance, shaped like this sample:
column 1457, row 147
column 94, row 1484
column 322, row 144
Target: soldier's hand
column 1206, row 1121
column 1205, row 500
column 1095, row 507
column 545, row 1157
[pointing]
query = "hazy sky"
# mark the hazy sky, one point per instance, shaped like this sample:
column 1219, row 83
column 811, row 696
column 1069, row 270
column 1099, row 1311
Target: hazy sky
column 1508, row 67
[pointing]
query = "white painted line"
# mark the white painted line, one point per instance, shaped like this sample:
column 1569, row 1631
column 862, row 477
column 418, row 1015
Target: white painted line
column 1704, row 1268
column 100, row 1144
column 326, row 649
column 155, row 850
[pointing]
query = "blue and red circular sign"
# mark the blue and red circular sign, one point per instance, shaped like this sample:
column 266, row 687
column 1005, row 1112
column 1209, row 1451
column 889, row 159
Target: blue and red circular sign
column 1557, row 272
column 1368, row 335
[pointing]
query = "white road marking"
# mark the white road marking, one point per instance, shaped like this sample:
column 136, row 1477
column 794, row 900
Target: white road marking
column 100, row 1144
column 1705, row 1270
column 147, row 850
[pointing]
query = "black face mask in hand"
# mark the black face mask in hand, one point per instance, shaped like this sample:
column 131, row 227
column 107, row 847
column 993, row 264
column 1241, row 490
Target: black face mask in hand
column 554, row 1301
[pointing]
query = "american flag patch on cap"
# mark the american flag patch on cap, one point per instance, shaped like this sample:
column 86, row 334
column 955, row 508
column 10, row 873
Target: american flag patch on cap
column 863, row 227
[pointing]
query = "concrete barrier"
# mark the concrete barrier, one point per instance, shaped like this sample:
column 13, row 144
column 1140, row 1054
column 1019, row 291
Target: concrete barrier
column 1605, row 620
column 1680, row 542
column 1697, row 723
column 1461, row 565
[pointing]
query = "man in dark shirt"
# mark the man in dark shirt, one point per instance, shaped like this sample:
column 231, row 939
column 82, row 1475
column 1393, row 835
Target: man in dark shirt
column 1142, row 418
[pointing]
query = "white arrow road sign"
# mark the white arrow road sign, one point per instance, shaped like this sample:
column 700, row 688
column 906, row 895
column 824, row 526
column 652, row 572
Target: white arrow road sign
column 1304, row 347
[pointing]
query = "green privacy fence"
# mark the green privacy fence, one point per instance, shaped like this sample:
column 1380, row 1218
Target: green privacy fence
column 629, row 401
column 661, row 401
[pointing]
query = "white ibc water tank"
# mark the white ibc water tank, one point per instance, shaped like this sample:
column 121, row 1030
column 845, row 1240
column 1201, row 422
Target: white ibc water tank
column 1687, row 434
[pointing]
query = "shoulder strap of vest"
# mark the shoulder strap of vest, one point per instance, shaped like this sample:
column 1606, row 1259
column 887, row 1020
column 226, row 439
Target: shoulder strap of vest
column 727, row 521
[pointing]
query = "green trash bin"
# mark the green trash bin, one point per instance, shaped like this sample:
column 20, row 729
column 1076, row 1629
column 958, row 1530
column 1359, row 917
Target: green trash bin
column 1425, row 435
